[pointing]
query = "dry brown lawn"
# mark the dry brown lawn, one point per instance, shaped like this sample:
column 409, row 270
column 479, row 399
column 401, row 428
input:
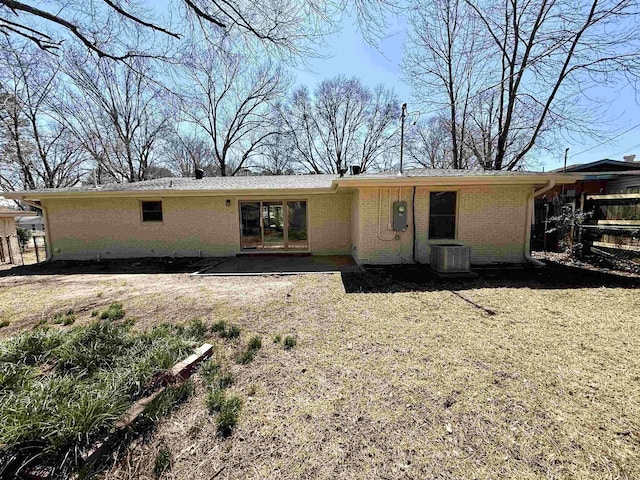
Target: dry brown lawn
column 483, row 380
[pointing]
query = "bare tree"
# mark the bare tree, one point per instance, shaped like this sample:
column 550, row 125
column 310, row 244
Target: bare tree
column 186, row 152
column 442, row 61
column 37, row 151
column 117, row 114
column 534, row 63
column 427, row 144
column 227, row 100
column 278, row 156
column 287, row 27
column 343, row 124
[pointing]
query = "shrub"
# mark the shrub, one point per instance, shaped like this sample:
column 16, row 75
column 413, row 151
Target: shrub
column 24, row 236
column 163, row 462
column 4, row 323
column 69, row 319
column 113, row 312
column 289, row 342
column 277, row 339
column 95, row 313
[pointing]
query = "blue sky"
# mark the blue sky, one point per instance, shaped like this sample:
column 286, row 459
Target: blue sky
column 349, row 55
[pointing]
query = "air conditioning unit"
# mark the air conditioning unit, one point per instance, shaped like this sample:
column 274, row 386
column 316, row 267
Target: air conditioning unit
column 450, row 258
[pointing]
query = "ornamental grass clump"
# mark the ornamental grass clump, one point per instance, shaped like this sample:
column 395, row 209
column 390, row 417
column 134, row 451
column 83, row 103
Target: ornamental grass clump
column 61, row 390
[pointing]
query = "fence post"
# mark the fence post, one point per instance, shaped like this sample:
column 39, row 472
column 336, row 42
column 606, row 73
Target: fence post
column 9, row 249
column 35, row 246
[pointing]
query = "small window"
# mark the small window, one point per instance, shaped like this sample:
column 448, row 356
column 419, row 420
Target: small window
column 151, row 211
column 442, row 215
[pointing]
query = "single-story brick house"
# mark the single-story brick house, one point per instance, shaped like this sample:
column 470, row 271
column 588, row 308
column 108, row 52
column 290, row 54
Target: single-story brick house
column 382, row 218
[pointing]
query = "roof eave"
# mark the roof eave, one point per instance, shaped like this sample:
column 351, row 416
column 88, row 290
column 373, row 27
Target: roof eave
column 534, row 179
column 39, row 195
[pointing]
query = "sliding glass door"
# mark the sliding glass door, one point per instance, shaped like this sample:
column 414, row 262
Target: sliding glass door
column 273, row 226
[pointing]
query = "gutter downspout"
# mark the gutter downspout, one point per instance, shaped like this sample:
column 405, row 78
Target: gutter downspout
column 527, row 229
column 45, row 218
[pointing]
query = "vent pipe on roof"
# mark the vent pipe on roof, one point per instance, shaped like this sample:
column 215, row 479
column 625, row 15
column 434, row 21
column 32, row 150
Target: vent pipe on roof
column 629, row 158
column 199, row 173
column 355, row 169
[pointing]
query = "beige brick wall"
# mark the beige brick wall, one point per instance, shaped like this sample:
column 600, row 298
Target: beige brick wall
column 7, row 226
column 112, row 227
column 490, row 219
column 355, row 224
column 330, row 224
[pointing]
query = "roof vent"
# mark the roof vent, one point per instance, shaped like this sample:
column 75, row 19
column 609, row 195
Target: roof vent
column 199, row 173
column 355, row 169
column 629, row 158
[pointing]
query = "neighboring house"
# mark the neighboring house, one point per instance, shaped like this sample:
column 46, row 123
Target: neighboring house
column 377, row 218
column 35, row 223
column 592, row 194
column 9, row 245
column 601, row 176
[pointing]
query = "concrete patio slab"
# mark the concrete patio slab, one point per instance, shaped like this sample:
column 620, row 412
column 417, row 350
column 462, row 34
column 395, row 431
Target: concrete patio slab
column 280, row 265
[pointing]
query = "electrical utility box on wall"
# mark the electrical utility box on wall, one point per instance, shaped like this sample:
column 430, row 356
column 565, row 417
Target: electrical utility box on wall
column 399, row 216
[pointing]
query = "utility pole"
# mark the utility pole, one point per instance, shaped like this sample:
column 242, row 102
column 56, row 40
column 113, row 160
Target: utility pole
column 402, row 117
column 564, row 169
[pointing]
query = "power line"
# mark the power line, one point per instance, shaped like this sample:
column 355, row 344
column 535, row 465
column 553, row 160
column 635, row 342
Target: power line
column 625, row 150
column 607, row 141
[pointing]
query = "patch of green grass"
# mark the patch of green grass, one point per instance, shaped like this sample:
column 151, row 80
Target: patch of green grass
column 94, row 373
column 113, row 312
column 228, row 415
column 163, row 462
column 215, row 399
column 196, row 330
column 255, row 343
column 13, row 376
column 209, row 371
column 226, row 331
column 4, row 323
column 277, row 339
column 233, row 332
column 227, row 410
column 247, row 356
column 220, row 326
column 168, row 400
column 289, row 342
column 66, row 318
column 95, row 313
column 225, row 380
column 30, row 347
